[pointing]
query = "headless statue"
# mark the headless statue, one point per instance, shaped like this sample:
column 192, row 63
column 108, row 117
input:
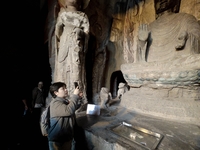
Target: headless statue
column 71, row 31
column 122, row 89
column 105, row 97
column 170, row 36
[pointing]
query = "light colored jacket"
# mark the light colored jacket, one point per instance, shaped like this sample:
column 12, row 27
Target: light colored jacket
column 62, row 119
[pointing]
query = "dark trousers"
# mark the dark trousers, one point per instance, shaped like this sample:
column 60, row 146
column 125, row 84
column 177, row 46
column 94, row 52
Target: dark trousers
column 37, row 114
column 36, row 123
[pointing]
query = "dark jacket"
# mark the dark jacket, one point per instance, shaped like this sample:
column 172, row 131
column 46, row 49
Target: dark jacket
column 38, row 97
column 62, row 119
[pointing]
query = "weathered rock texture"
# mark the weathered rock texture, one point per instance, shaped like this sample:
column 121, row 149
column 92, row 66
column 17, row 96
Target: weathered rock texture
column 167, row 76
column 71, row 45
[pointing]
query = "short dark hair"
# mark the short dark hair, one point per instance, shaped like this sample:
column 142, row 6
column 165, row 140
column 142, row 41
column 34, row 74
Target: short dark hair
column 54, row 87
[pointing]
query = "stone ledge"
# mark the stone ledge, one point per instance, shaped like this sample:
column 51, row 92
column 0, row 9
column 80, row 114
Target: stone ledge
column 177, row 135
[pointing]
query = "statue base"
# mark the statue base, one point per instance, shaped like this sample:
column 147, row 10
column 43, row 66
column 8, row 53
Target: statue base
column 164, row 89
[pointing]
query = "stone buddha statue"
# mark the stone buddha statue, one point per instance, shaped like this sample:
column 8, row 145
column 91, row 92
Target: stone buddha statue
column 170, row 36
column 168, row 49
column 165, row 79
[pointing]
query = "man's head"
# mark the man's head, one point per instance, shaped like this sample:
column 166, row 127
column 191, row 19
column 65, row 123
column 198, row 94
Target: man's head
column 40, row 84
column 58, row 89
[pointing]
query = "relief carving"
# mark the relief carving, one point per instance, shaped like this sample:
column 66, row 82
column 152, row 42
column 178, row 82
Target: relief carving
column 50, row 33
column 100, row 30
column 133, row 17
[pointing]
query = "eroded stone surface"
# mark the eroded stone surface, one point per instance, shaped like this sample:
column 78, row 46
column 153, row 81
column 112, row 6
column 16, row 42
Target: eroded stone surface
column 165, row 78
column 180, row 72
column 72, row 35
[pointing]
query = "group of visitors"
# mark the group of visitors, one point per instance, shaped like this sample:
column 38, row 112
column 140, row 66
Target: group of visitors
column 22, row 131
column 62, row 110
column 27, row 134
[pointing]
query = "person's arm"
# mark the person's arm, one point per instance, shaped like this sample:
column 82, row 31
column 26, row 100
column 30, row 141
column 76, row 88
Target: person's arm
column 34, row 95
column 62, row 109
column 25, row 104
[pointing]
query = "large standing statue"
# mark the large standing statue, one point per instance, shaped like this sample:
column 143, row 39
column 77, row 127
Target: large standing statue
column 170, row 36
column 72, row 34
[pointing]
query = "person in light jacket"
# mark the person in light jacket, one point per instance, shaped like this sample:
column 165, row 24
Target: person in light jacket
column 62, row 117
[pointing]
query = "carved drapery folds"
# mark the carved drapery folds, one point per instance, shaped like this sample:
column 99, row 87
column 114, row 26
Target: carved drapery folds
column 166, row 71
column 170, row 61
column 132, row 19
column 172, row 35
column 164, row 47
column 72, row 35
column 100, row 24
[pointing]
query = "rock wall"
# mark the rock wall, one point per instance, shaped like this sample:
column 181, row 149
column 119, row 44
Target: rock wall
column 113, row 44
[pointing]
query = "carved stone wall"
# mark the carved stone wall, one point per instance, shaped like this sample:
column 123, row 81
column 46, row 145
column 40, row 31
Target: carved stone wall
column 113, row 46
column 166, row 82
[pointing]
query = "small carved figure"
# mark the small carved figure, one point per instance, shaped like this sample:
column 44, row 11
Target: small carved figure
column 105, row 97
column 122, row 89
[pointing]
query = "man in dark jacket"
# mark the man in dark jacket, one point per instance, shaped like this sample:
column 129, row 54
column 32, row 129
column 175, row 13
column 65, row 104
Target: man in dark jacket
column 38, row 96
column 62, row 117
column 38, row 101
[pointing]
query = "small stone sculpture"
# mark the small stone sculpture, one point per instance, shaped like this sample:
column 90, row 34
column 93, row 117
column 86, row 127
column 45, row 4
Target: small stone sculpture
column 105, row 97
column 122, row 89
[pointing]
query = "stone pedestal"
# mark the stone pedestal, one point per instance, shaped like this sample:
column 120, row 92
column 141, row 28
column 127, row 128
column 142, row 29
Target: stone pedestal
column 164, row 89
column 177, row 104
